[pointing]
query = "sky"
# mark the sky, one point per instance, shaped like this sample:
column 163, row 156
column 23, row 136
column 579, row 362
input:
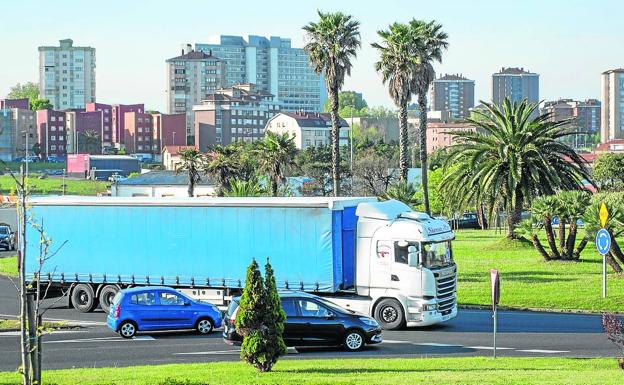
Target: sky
column 568, row 42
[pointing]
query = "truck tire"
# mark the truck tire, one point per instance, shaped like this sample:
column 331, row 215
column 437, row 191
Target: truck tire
column 83, row 298
column 106, row 297
column 389, row 314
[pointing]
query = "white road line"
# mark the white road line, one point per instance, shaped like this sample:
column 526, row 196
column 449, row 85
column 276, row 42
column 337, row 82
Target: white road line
column 103, row 339
column 10, row 333
column 488, row 348
column 436, row 344
column 543, row 351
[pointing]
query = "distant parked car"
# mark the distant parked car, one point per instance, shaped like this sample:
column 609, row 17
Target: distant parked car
column 7, row 238
column 468, row 221
column 116, row 178
column 160, row 308
column 314, row 321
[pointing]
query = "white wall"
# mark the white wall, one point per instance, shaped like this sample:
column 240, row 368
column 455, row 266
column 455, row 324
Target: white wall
column 159, row 191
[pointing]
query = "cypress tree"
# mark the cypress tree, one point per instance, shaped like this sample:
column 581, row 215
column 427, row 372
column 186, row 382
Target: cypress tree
column 274, row 320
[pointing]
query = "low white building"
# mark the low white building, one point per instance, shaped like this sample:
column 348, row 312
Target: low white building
column 171, row 156
column 309, row 129
column 159, row 184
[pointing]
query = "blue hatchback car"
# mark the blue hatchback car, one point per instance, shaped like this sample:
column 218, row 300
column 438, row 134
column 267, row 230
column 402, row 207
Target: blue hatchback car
column 160, row 308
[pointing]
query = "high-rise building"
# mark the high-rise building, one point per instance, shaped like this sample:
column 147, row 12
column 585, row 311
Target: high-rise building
column 612, row 117
column 516, row 84
column 453, row 93
column 67, row 75
column 587, row 114
column 584, row 117
column 190, row 77
column 274, row 66
column 233, row 114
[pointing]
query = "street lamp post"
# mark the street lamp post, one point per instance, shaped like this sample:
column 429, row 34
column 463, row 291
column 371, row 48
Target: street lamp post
column 351, row 136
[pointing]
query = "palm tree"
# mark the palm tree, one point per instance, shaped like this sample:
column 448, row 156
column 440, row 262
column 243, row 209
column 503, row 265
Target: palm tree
column 276, row 152
column 89, row 142
column 404, row 192
column 333, row 42
column 511, row 158
column 222, row 163
column 191, row 161
column 244, row 188
column 397, row 66
column 429, row 40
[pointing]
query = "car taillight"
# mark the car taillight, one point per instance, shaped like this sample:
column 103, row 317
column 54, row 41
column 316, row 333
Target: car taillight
column 234, row 315
column 117, row 311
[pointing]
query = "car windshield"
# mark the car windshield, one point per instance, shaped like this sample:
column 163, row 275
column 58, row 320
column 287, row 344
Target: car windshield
column 437, row 254
column 117, row 298
column 4, row 230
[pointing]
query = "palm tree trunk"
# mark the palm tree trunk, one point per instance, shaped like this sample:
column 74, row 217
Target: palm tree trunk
column 539, row 247
column 580, row 248
column 613, row 263
column 335, row 137
column 571, row 239
column 562, row 238
column 422, row 105
column 615, row 248
column 191, row 183
column 273, row 187
column 550, row 237
column 403, row 140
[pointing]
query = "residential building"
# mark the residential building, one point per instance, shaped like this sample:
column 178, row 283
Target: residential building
column 386, row 129
column 612, row 117
column 309, row 129
column 6, row 135
column 237, row 113
column 51, row 133
column 23, row 103
column 118, row 123
column 67, row 75
column 452, row 93
column 516, row 84
column 274, row 66
column 190, row 77
column 170, row 156
column 585, row 114
column 84, row 132
column 441, row 134
column 168, row 130
column 138, row 137
column 25, row 131
column 107, row 123
column 165, row 184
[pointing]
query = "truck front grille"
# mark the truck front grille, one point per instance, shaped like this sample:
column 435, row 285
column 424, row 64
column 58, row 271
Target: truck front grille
column 445, row 290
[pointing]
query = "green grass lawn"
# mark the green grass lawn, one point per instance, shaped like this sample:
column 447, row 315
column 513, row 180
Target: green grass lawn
column 473, row 370
column 527, row 281
column 8, row 266
column 13, row 324
column 54, row 186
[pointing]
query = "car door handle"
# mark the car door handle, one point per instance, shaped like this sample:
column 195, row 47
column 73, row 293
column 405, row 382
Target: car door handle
column 394, row 278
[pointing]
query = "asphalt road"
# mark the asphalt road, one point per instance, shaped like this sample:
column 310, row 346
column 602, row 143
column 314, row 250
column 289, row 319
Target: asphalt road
column 520, row 334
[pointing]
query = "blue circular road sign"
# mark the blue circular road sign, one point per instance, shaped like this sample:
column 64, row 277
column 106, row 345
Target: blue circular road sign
column 603, row 241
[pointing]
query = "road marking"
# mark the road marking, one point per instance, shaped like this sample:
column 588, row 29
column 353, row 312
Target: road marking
column 543, row 351
column 10, row 334
column 488, row 348
column 439, row 345
column 103, row 339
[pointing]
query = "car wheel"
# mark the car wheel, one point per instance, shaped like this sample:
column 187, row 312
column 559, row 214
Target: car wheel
column 106, row 297
column 389, row 314
column 354, row 341
column 83, row 298
column 204, row 326
column 127, row 329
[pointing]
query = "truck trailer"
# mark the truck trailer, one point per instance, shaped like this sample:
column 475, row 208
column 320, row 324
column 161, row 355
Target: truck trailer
column 378, row 258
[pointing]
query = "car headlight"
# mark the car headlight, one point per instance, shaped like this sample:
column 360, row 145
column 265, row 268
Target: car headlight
column 369, row 321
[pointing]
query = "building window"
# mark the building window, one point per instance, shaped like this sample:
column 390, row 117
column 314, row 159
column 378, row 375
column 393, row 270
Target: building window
column 61, row 137
column 53, row 147
column 140, row 147
column 53, row 138
column 53, row 119
column 52, row 128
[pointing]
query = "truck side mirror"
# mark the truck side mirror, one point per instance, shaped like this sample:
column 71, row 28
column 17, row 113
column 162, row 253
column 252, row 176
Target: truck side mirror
column 413, row 259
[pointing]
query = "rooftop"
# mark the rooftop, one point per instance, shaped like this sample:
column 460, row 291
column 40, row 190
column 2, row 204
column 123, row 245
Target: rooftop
column 194, row 55
column 308, row 119
column 616, row 70
column 453, row 77
column 514, row 71
column 162, row 178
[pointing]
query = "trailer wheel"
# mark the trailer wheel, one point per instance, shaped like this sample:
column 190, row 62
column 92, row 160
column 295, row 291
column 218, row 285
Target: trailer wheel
column 83, row 298
column 106, row 297
column 389, row 314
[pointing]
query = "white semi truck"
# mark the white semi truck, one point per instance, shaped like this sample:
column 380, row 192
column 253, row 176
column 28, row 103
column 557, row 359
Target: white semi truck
column 379, row 258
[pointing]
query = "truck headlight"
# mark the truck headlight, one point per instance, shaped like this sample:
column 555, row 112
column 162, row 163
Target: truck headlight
column 369, row 321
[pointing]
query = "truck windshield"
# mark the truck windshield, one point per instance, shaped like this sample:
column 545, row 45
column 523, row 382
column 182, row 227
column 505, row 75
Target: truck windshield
column 437, row 254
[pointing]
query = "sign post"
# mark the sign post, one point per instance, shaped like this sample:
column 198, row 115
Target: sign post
column 603, row 244
column 495, row 284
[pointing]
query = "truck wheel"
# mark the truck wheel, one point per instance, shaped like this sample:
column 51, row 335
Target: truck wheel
column 106, row 297
column 83, row 298
column 353, row 341
column 127, row 329
column 389, row 314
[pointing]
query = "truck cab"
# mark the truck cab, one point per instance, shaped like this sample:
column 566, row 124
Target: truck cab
column 404, row 266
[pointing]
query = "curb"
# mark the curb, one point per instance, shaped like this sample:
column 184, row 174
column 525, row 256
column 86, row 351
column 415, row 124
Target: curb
column 538, row 310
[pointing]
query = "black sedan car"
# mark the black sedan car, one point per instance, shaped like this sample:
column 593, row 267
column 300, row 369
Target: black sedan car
column 7, row 238
column 314, row 321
